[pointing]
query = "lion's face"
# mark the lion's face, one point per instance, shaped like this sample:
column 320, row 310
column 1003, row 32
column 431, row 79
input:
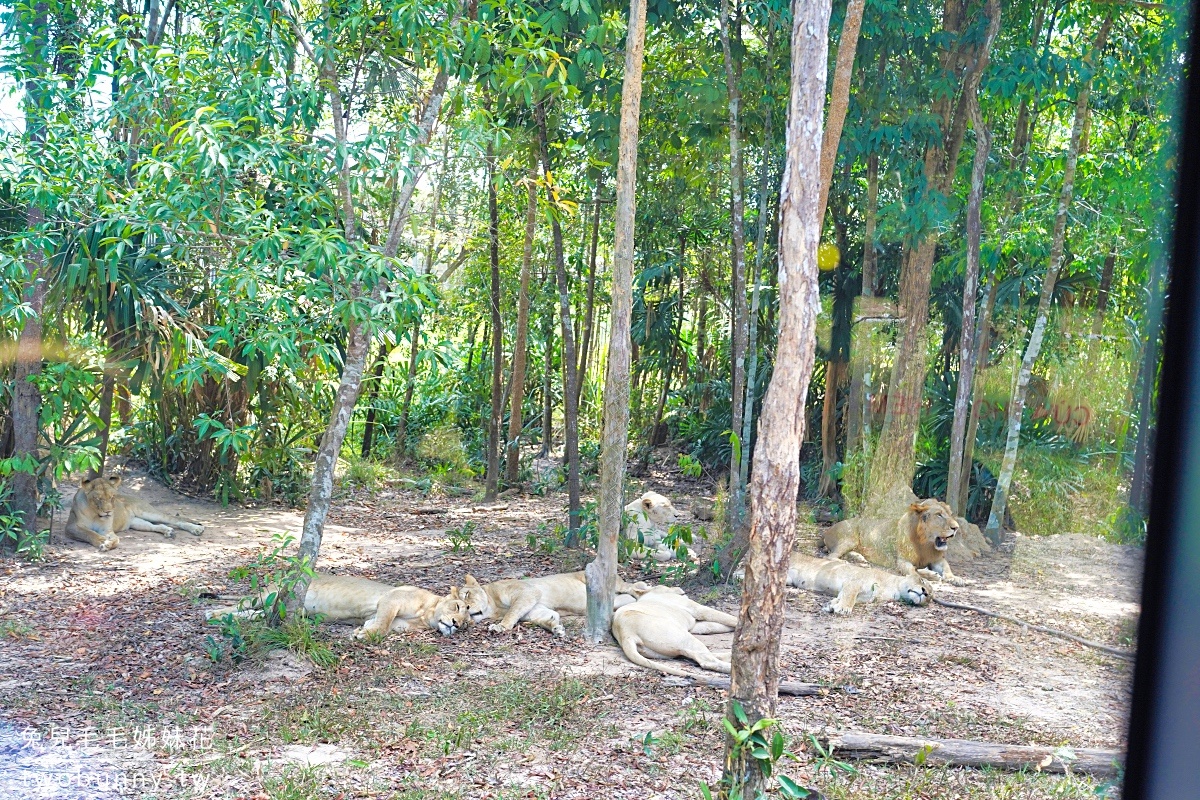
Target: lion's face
column 451, row 614
column 476, row 600
column 658, row 509
column 936, row 525
column 101, row 494
column 915, row 590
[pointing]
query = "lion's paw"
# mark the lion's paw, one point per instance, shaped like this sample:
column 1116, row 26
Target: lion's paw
column 496, row 627
column 169, row 533
column 109, row 543
column 954, row 580
column 559, row 631
column 836, row 608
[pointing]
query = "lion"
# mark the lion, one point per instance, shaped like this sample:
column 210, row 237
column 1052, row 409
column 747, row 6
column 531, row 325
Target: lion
column 652, row 516
column 380, row 608
column 663, row 624
column 538, row 601
column 852, row 584
column 99, row 512
column 919, row 540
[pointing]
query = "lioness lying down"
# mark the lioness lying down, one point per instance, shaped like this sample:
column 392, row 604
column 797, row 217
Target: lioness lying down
column 854, row 584
column 918, row 540
column 98, row 513
column 381, row 608
column 538, row 601
column 661, row 624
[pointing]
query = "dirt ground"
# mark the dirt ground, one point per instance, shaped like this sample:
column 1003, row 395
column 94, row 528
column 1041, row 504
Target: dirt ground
column 104, row 654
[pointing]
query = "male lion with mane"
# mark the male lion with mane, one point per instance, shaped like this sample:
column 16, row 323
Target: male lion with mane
column 99, row 513
column 918, row 540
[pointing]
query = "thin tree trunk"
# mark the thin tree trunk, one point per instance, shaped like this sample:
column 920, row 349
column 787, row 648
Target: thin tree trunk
column 738, row 311
column 858, row 357
column 602, row 572
column 492, row 480
column 521, row 345
column 668, row 373
column 983, row 345
column 1102, row 294
column 760, row 242
column 570, row 365
column 966, row 358
column 410, row 384
column 895, row 458
column 776, row 476
column 1016, row 406
column 26, row 397
column 547, row 387
column 368, row 440
column 834, row 369
column 585, row 351
column 839, row 97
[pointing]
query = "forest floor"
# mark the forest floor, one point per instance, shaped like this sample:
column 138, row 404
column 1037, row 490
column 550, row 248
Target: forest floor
column 104, row 668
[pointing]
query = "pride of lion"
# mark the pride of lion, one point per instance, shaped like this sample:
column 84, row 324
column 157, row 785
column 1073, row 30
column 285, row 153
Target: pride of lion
column 651, row 623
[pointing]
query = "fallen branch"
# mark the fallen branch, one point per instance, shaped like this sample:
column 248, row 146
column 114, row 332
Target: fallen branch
column 785, row 687
column 426, row 510
column 966, row 753
column 1112, row 651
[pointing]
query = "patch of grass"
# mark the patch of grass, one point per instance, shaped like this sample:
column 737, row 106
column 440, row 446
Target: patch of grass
column 949, row 783
column 15, row 629
column 365, row 473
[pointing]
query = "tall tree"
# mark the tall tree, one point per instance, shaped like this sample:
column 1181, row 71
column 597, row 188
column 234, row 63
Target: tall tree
column 737, row 284
column 1016, row 404
column 962, row 61
column 776, row 475
column 570, row 364
column 967, row 349
column 602, row 572
column 33, row 23
column 521, row 345
column 492, row 479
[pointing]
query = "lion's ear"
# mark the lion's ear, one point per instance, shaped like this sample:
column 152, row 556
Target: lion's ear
column 115, row 480
column 919, row 506
column 647, row 503
column 86, row 484
column 454, row 592
column 470, row 581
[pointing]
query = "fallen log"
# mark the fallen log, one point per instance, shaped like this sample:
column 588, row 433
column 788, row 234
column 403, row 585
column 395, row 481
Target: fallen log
column 785, row 687
column 967, row 753
column 1103, row 648
column 418, row 510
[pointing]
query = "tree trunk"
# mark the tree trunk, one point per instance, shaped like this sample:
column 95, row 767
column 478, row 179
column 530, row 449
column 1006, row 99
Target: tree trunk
column 492, row 480
column 570, row 365
column 602, row 572
column 547, row 432
column 589, row 317
column 839, row 97
column 760, row 242
column 410, row 384
column 859, row 358
column 895, row 458
column 834, row 370
column 963, row 752
column 738, row 311
column 368, row 440
column 1016, row 406
column 521, row 345
column 1102, row 294
column 983, row 345
column 966, row 358
column 26, row 397
column 776, row 476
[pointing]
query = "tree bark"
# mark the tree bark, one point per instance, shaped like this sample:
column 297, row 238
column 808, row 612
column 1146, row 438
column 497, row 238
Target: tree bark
column 834, row 369
column 983, row 345
column 966, row 358
column 492, row 479
column 1016, row 406
column 859, row 358
column 547, row 432
column 1102, row 293
column 368, row 440
column 589, row 317
column 965, row 753
column 570, row 365
column 895, row 458
column 521, row 345
column 738, row 311
column 839, row 97
column 602, row 572
column 776, row 475
column 410, row 384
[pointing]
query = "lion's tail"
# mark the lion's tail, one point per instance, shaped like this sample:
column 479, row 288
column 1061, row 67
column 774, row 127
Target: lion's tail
column 629, row 644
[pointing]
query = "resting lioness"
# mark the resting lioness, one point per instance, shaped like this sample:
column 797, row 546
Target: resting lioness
column 538, row 601
column 918, row 539
column 854, row 584
column 661, row 624
column 381, row 608
column 98, row 513
column 650, row 518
